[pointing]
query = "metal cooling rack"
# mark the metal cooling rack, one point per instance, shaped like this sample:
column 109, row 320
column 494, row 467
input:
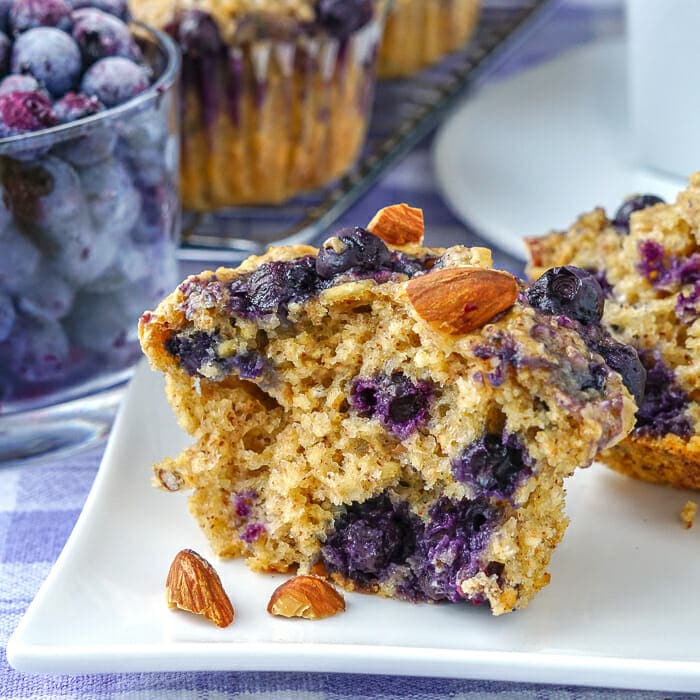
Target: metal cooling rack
column 405, row 111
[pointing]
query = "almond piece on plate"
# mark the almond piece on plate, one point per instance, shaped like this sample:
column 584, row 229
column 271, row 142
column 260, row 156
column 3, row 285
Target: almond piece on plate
column 398, row 225
column 194, row 585
column 463, row 299
column 306, row 596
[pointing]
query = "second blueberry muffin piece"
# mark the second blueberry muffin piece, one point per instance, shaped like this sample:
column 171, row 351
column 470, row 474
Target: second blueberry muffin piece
column 647, row 258
column 397, row 417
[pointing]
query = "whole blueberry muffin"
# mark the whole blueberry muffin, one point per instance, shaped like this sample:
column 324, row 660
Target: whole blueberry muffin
column 276, row 93
column 420, row 32
column 396, row 417
column 647, row 258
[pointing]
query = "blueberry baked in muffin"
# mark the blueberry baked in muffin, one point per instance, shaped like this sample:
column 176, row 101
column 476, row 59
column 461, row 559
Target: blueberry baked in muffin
column 396, row 417
column 647, row 259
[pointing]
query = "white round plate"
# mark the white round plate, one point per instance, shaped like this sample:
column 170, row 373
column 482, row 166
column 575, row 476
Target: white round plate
column 529, row 154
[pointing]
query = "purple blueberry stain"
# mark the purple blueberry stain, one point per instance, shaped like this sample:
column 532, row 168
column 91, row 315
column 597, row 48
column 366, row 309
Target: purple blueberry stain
column 493, row 465
column 51, row 56
column 253, row 532
column 502, row 348
column 664, row 408
column 243, row 503
column 400, row 404
column 688, row 305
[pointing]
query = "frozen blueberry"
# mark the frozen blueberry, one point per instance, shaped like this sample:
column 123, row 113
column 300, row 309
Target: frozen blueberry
column 5, row 52
column 90, row 146
column 133, row 263
column 7, row 315
column 19, row 83
column 36, row 350
column 158, row 213
column 198, row 33
column 21, row 112
column 83, row 254
column 19, row 260
column 115, row 80
column 45, row 294
column 43, row 194
column 568, row 291
column 494, row 465
column 5, row 7
column 100, row 324
column 28, row 14
column 352, row 250
column 51, row 56
column 99, row 35
column 343, row 17
column 642, row 201
column 113, row 201
column 74, row 106
column 118, row 8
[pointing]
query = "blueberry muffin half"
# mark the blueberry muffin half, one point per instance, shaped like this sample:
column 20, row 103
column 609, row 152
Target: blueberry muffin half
column 396, row 417
column 647, row 258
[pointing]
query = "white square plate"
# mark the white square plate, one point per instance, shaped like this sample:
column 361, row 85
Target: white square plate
column 621, row 609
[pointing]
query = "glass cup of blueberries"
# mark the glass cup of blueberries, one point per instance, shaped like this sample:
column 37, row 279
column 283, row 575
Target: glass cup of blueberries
column 89, row 212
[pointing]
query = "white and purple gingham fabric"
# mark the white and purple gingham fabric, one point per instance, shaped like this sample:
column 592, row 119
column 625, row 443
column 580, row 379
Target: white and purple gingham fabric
column 39, row 505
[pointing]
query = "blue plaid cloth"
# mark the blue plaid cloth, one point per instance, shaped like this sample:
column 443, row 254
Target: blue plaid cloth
column 39, row 505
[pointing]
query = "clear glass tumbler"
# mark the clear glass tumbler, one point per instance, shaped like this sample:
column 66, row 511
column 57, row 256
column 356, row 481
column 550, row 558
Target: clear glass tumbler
column 89, row 228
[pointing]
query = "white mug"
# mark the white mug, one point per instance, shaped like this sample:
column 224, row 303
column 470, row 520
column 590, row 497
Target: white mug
column 663, row 39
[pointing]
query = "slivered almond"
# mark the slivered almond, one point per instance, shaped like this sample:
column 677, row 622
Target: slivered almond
column 194, row 585
column 461, row 300
column 398, row 225
column 306, row 596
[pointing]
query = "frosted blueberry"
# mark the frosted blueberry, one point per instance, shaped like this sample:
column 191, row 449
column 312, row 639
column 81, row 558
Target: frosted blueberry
column 5, row 52
column 45, row 294
column 158, row 215
column 99, row 35
column 75, row 105
column 131, row 265
column 45, row 194
column 36, row 350
column 19, row 83
column 22, row 112
column 101, row 324
column 112, row 199
column 7, row 315
column 19, row 260
column 28, row 14
column 115, row 80
column 51, row 56
column 118, row 8
column 5, row 7
column 83, row 254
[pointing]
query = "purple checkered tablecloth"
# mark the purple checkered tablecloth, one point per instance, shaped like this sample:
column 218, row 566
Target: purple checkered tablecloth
column 40, row 504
